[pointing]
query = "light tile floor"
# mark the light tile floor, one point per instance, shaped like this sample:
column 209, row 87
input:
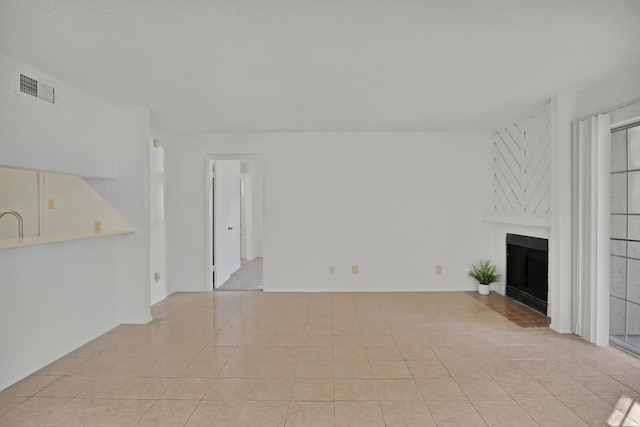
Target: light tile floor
column 342, row 359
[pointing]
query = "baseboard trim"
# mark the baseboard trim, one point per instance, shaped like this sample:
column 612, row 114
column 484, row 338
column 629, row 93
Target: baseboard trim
column 355, row 290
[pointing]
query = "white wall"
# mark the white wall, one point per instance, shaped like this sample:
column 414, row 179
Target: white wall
column 159, row 288
column 130, row 195
column 56, row 297
column 251, row 210
column 246, row 207
column 255, row 171
column 396, row 204
column 608, row 93
column 75, row 137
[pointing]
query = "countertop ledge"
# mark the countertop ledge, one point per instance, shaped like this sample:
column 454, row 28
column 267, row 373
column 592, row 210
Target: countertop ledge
column 56, row 238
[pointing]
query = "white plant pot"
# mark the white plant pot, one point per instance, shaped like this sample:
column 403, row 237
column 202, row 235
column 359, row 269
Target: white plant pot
column 484, row 289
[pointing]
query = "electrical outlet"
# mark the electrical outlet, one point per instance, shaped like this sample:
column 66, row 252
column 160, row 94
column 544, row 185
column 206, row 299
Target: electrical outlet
column 51, row 203
column 438, row 269
column 97, row 226
column 354, row 269
column 332, row 269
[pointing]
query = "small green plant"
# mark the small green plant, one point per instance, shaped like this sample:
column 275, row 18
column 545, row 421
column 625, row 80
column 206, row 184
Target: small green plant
column 485, row 273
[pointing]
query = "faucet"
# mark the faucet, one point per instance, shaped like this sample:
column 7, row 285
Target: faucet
column 18, row 217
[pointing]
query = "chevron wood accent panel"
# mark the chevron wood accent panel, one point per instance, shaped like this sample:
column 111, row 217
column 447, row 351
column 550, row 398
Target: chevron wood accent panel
column 522, row 167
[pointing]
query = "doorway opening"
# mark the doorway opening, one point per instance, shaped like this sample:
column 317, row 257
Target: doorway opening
column 234, row 229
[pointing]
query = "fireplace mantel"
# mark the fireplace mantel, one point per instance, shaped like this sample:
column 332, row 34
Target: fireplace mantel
column 536, row 221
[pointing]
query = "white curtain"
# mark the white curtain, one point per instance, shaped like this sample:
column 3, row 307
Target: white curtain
column 591, row 154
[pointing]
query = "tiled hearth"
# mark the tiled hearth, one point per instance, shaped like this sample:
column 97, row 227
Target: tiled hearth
column 518, row 313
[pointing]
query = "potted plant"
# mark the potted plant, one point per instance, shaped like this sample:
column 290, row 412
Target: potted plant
column 485, row 273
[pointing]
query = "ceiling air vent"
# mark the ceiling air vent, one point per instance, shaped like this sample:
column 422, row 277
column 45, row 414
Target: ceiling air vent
column 30, row 86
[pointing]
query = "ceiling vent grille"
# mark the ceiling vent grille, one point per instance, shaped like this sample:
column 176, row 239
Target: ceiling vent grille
column 28, row 85
column 37, row 89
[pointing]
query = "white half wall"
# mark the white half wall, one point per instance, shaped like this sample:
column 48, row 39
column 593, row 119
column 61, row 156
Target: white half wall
column 54, row 298
column 57, row 297
column 395, row 204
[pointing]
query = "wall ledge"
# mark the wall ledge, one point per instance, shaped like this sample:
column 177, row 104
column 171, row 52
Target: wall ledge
column 536, row 221
column 43, row 240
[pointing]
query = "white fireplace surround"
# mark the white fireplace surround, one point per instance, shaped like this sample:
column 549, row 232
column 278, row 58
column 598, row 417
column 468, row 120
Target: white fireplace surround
column 523, row 194
column 577, row 224
column 554, row 224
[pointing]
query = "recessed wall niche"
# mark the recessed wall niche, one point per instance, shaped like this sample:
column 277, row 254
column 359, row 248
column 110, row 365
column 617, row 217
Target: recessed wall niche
column 52, row 204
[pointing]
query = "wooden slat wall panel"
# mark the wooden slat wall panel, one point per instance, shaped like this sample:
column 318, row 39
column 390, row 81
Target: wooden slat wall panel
column 522, row 167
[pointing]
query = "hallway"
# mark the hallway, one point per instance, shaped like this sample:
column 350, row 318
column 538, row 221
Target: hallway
column 247, row 278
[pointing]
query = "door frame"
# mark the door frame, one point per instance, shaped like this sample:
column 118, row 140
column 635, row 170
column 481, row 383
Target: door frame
column 243, row 212
column 209, row 221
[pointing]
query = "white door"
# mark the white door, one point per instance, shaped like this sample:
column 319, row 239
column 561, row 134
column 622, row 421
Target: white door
column 226, row 219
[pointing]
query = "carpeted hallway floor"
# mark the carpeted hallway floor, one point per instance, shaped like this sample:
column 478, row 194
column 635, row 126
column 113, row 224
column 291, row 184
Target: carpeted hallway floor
column 247, row 278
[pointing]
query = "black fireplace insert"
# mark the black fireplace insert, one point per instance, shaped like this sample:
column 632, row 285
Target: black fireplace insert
column 528, row 270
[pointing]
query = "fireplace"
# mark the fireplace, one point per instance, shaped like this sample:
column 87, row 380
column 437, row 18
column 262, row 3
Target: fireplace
column 528, row 270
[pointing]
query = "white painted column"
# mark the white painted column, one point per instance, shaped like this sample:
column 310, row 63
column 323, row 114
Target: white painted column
column 560, row 256
column 601, row 301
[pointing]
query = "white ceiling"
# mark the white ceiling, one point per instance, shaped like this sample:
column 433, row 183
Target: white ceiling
column 325, row 65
